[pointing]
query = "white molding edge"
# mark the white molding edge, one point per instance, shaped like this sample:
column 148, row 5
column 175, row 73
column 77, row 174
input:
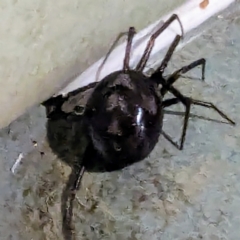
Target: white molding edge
column 191, row 15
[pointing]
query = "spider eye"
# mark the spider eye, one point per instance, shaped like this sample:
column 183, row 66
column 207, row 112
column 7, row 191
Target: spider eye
column 119, row 133
column 78, row 110
column 116, row 147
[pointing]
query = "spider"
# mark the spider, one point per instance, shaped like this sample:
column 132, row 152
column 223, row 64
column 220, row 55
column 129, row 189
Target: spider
column 124, row 113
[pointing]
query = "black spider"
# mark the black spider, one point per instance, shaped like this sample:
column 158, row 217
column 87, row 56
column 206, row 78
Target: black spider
column 124, row 113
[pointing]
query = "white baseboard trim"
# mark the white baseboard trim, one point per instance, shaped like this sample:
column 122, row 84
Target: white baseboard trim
column 192, row 14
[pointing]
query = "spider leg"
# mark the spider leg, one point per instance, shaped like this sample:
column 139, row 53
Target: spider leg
column 108, row 54
column 188, row 102
column 142, row 63
column 53, row 107
column 75, row 177
column 177, row 74
column 169, row 54
column 172, row 101
column 69, row 194
column 131, row 34
column 212, row 106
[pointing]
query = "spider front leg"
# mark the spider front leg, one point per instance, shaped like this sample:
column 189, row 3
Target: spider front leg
column 188, row 102
column 158, row 73
column 168, row 55
column 131, row 33
column 177, row 74
column 142, row 63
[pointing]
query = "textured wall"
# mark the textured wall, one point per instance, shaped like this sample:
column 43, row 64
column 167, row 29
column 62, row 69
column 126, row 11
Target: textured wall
column 43, row 42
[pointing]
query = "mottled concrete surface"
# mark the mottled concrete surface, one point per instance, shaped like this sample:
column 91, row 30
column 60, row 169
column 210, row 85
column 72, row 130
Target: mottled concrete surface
column 190, row 194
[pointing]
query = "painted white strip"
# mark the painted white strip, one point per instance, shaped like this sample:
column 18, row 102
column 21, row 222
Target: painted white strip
column 191, row 15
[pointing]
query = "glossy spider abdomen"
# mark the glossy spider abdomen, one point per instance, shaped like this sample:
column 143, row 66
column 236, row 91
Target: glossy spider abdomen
column 124, row 117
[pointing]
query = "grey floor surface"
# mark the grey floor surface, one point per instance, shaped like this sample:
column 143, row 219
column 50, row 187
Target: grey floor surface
column 188, row 195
